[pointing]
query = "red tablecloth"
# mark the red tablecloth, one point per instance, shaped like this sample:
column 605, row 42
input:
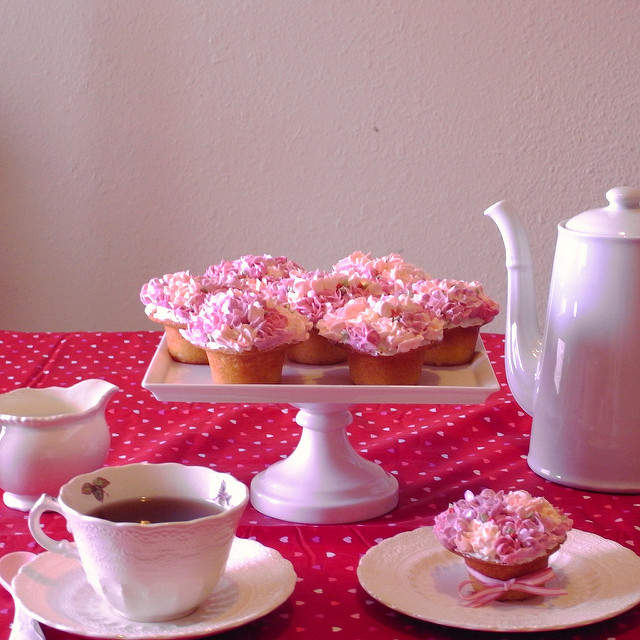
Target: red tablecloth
column 435, row 452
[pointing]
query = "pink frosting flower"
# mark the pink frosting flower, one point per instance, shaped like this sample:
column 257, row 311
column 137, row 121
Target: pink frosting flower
column 502, row 527
column 381, row 326
column 314, row 293
column 458, row 303
column 238, row 320
column 173, row 297
column 392, row 266
column 264, row 274
column 391, row 273
column 265, row 267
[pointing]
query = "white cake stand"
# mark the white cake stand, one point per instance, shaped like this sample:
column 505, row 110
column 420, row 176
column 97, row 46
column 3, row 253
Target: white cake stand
column 324, row 480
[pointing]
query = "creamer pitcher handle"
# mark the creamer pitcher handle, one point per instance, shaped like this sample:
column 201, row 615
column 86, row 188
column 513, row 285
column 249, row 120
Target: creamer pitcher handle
column 47, row 503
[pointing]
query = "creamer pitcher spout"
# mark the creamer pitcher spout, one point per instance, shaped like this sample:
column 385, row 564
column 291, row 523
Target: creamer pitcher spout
column 90, row 395
column 523, row 339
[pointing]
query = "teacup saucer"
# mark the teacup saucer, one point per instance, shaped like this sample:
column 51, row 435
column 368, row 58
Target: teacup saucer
column 54, row 590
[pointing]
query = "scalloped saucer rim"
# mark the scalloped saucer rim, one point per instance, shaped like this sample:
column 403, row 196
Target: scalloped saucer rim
column 54, row 590
column 414, row 574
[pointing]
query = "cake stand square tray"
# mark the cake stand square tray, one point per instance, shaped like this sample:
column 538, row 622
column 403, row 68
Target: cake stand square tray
column 168, row 380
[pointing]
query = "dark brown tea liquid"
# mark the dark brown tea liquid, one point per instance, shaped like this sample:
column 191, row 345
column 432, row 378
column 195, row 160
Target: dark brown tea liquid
column 156, row 509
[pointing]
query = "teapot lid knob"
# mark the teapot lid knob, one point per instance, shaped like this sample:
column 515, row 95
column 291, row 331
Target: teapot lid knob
column 620, row 219
column 624, row 198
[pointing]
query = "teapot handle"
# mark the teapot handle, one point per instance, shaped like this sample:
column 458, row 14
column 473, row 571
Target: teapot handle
column 64, row 547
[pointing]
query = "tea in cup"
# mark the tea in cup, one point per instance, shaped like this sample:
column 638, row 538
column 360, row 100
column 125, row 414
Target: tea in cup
column 153, row 539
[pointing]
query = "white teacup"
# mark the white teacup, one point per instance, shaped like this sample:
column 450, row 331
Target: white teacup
column 148, row 571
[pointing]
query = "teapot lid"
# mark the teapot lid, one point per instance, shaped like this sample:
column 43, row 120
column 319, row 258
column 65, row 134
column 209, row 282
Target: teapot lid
column 621, row 218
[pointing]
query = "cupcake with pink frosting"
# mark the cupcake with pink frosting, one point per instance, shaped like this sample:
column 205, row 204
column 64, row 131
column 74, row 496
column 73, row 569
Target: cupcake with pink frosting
column 390, row 274
column 250, row 271
column 171, row 300
column 313, row 294
column 464, row 308
column 245, row 335
column 506, row 540
column 385, row 337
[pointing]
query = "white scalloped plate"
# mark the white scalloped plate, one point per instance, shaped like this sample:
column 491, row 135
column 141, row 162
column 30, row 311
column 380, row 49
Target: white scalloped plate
column 54, row 590
column 414, row 574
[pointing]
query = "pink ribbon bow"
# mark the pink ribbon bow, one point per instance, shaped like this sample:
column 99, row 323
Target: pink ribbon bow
column 494, row 588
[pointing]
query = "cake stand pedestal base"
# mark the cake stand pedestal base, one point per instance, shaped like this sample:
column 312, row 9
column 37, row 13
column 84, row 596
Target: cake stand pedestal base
column 324, row 480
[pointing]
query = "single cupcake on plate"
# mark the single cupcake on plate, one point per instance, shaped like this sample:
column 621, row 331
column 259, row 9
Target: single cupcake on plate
column 505, row 540
column 385, row 337
column 245, row 335
column 464, row 309
column 170, row 300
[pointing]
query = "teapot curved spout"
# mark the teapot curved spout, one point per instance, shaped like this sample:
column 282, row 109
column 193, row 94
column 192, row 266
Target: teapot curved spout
column 523, row 340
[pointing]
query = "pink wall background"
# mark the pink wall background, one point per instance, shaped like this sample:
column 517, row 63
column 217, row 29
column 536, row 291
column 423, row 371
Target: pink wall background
column 139, row 138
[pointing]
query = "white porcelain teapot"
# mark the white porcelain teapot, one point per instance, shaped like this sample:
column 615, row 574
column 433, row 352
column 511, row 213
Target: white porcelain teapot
column 49, row 435
column 580, row 379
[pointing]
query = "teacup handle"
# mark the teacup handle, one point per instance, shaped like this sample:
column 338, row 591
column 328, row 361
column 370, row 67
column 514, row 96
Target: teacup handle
column 64, row 547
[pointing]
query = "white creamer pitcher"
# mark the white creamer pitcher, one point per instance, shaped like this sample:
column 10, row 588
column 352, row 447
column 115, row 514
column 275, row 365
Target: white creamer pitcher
column 50, row 435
